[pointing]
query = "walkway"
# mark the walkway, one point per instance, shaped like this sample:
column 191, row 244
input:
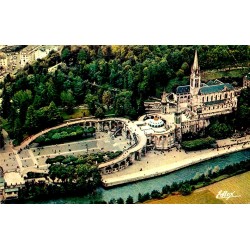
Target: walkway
column 157, row 163
column 141, row 137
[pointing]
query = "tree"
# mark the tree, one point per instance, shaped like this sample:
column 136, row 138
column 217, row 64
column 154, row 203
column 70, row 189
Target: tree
column 99, row 113
column 185, row 68
column 220, row 130
column 123, row 104
column 68, row 100
column 120, row 201
column 180, row 74
column 65, row 54
column 129, row 200
column 53, row 114
column 186, row 189
column 106, row 98
column 21, row 101
column 155, row 194
column 82, row 56
column 91, row 100
column 31, row 121
column 166, row 189
column 112, row 201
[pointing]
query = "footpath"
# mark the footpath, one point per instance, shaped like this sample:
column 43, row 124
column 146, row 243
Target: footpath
column 172, row 161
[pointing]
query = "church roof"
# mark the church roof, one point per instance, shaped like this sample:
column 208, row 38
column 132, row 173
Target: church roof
column 216, row 88
column 183, row 89
column 214, row 82
column 213, row 102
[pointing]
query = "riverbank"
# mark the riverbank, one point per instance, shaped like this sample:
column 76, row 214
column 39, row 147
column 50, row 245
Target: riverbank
column 168, row 162
column 148, row 185
column 238, row 184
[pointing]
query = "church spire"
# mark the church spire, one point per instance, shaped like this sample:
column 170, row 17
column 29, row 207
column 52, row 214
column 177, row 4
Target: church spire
column 195, row 65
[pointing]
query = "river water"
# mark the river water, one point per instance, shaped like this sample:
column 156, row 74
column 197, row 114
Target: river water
column 156, row 183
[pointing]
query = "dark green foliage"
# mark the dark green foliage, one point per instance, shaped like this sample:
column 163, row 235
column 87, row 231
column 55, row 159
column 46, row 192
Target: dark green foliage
column 35, row 175
column 99, row 202
column 174, row 187
column 198, row 144
column 166, row 189
column 143, row 197
column 220, row 130
column 1, row 139
column 112, row 201
column 155, row 194
column 120, row 201
column 186, row 189
column 129, row 200
column 65, row 134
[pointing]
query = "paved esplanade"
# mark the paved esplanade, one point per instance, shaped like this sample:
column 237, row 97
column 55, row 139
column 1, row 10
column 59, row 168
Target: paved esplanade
column 157, row 163
column 33, row 159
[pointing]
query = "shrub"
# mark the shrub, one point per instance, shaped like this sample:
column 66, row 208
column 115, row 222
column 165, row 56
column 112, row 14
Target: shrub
column 198, row 144
column 120, row 201
column 186, row 189
column 129, row 200
column 155, row 194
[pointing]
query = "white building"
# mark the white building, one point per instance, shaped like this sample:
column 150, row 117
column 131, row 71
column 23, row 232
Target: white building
column 3, row 60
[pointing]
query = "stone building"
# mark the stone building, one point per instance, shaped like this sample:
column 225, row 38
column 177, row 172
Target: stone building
column 246, row 81
column 207, row 99
column 191, row 106
column 3, row 60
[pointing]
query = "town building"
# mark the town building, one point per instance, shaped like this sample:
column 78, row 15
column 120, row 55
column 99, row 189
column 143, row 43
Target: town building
column 246, row 81
column 3, row 60
column 27, row 55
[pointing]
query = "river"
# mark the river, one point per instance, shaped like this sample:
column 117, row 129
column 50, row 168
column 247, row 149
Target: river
column 156, row 183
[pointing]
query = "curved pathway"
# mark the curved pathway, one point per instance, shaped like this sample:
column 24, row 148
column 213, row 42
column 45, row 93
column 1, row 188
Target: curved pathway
column 133, row 128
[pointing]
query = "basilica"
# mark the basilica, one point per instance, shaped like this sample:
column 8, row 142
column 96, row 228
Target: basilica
column 186, row 110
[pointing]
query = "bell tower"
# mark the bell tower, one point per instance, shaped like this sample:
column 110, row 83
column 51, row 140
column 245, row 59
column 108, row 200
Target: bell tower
column 195, row 77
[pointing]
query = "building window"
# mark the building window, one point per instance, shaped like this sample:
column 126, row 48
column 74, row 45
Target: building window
column 207, row 98
column 216, row 98
column 212, row 98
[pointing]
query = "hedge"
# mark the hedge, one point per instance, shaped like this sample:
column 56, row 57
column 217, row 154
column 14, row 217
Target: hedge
column 198, row 144
column 65, row 134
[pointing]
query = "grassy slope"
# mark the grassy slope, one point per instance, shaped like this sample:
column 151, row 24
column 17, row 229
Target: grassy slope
column 207, row 195
column 214, row 74
column 77, row 113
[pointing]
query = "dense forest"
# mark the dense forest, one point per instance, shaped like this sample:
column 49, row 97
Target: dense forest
column 109, row 79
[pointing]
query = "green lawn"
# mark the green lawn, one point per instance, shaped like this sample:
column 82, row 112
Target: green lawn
column 214, row 74
column 77, row 113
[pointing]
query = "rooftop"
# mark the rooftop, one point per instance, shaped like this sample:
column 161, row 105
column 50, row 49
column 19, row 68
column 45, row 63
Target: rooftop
column 216, row 88
column 155, row 123
column 214, row 102
column 183, row 89
column 13, row 178
column 8, row 190
column 213, row 82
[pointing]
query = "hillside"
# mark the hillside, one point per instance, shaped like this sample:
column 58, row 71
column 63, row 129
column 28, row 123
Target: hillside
column 109, row 79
